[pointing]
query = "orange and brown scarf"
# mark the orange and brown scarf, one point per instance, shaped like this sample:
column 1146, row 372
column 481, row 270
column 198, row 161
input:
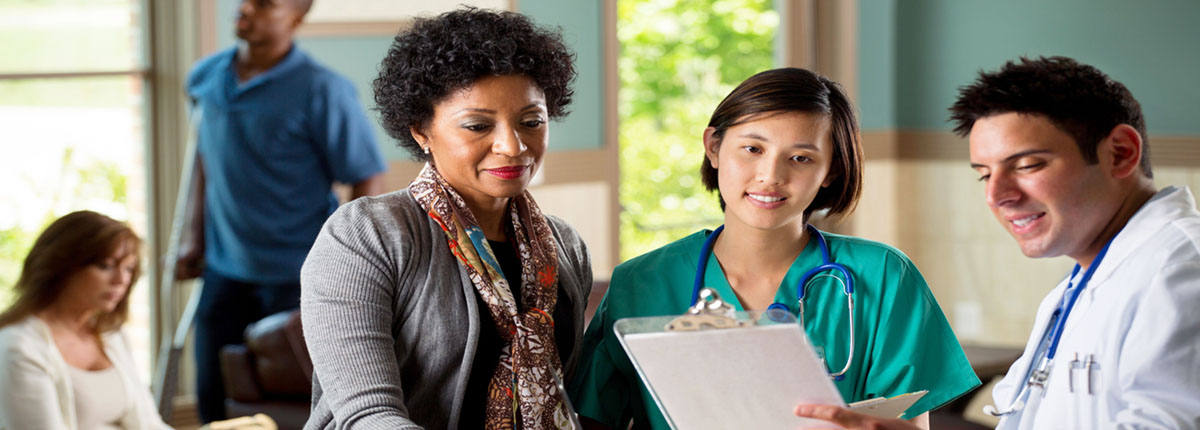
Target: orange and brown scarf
column 524, row 387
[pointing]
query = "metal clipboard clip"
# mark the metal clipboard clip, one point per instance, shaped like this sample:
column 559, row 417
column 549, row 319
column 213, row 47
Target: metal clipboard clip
column 709, row 312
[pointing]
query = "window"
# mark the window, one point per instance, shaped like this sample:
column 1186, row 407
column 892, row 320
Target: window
column 678, row 59
column 72, row 127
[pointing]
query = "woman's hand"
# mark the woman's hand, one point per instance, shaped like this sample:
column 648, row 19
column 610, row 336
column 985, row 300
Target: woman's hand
column 852, row 420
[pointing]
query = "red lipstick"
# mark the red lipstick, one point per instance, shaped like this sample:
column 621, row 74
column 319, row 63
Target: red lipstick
column 508, row 172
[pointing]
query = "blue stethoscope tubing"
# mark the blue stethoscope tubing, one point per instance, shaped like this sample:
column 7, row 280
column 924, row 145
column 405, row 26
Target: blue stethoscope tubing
column 846, row 280
column 1038, row 373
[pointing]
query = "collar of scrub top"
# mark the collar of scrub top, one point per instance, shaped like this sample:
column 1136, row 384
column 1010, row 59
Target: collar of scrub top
column 1039, row 369
column 846, row 280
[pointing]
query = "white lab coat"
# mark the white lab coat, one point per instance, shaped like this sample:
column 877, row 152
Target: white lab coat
column 1139, row 318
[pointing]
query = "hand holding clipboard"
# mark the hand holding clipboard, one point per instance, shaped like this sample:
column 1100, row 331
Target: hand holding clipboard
column 717, row 369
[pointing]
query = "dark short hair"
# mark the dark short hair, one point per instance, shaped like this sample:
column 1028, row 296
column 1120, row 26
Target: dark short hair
column 798, row 90
column 443, row 54
column 68, row 245
column 1077, row 98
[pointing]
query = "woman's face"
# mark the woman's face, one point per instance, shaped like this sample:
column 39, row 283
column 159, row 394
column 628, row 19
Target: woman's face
column 488, row 139
column 101, row 286
column 770, row 169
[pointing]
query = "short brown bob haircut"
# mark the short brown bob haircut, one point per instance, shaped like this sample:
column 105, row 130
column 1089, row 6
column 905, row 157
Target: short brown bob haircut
column 798, row 90
column 68, row 245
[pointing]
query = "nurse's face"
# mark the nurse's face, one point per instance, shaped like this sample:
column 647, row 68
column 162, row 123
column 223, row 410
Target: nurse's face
column 487, row 140
column 1039, row 186
column 770, row 169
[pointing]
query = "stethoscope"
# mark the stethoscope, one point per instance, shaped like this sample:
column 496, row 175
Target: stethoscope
column 1043, row 357
column 801, row 287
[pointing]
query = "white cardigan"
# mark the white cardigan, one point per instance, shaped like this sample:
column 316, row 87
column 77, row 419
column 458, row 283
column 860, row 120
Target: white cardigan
column 36, row 388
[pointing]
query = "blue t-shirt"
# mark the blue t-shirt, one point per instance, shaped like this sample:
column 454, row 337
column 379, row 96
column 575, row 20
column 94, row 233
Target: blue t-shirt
column 271, row 149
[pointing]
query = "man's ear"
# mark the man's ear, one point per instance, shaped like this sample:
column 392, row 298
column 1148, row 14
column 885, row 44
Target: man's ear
column 711, row 146
column 298, row 9
column 1124, row 146
column 297, row 19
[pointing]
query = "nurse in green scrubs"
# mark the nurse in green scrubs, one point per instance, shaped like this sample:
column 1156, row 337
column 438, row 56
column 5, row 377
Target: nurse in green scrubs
column 782, row 146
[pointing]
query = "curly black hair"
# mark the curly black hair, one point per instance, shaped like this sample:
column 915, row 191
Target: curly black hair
column 443, row 54
column 1077, row 98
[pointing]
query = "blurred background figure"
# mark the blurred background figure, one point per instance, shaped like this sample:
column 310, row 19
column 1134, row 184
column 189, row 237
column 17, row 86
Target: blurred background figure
column 64, row 361
column 276, row 130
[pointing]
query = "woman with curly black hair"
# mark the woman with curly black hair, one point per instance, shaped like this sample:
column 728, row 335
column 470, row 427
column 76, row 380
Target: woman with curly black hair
column 453, row 303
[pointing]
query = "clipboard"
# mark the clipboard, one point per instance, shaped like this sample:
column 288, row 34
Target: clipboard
column 714, row 368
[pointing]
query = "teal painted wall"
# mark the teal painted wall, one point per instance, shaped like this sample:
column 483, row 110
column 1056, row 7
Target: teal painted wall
column 877, row 63
column 914, row 54
column 358, row 59
column 582, row 25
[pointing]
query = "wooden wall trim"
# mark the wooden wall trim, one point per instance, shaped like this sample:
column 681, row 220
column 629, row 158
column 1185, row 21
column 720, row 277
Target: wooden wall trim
column 797, row 33
column 559, row 167
column 932, row 145
column 206, row 28
column 357, row 28
column 1167, row 151
column 822, row 36
column 173, row 39
column 879, row 145
column 913, row 145
column 611, row 152
column 1175, row 151
column 837, row 43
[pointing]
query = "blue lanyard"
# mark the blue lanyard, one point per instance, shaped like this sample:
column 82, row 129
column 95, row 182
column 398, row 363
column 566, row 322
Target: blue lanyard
column 1039, row 367
column 1059, row 318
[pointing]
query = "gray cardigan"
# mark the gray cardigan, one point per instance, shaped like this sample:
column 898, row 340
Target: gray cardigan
column 391, row 319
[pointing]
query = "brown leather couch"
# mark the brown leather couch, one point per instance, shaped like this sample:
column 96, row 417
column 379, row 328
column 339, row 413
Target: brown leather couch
column 271, row 373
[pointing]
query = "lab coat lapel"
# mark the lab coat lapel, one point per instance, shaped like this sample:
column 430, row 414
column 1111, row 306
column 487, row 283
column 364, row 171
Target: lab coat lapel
column 1169, row 203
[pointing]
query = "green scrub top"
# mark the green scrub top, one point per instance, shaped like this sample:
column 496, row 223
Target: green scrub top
column 902, row 340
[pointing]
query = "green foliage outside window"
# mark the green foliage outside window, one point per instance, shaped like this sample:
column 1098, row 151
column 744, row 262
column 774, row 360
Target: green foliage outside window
column 68, row 143
column 678, row 59
column 79, row 185
column 14, row 244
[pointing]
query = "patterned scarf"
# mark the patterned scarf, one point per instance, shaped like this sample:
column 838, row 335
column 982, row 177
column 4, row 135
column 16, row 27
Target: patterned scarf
column 522, row 389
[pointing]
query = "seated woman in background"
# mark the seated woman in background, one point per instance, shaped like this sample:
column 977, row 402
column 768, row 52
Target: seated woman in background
column 453, row 303
column 64, row 362
column 779, row 148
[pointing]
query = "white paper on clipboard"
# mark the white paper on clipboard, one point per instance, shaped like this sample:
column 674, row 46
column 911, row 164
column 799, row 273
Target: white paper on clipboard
column 752, row 376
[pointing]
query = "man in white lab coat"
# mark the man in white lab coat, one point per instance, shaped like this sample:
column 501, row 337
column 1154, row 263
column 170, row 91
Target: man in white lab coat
column 1062, row 150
